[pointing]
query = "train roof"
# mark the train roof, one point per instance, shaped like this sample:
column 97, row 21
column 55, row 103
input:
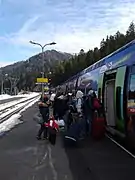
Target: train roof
column 100, row 61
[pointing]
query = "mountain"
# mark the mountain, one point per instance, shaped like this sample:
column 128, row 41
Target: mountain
column 27, row 71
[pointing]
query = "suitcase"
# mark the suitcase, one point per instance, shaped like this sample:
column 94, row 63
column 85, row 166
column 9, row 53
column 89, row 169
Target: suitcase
column 98, row 127
column 52, row 135
column 71, row 137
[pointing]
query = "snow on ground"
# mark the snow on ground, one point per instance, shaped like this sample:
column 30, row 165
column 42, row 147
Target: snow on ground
column 6, row 96
column 25, row 97
column 14, row 120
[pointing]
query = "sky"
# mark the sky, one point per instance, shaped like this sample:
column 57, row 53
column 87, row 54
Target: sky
column 72, row 24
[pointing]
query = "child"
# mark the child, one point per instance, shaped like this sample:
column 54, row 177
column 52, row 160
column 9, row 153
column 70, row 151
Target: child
column 52, row 129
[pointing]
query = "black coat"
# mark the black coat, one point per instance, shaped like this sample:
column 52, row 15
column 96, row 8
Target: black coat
column 44, row 112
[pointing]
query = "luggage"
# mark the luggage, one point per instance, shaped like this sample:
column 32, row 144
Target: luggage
column 72, row 135
column 98, row 127
column 52, row 135
column 52, row 130
column 96, row 104
column 61, row 122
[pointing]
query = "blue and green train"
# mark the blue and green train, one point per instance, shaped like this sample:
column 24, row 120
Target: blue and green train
column 113, row 78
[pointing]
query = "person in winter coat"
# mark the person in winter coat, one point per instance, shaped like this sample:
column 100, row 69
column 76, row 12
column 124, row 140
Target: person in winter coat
column 44, row 111
column 89, row 109
column 79, row 99
column 56, row 105
column 60, row 106
column 79, row 106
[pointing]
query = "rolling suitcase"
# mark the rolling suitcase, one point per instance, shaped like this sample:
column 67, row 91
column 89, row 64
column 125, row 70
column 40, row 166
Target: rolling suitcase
column 52, row 135
column 98, row 126
column 71, row 137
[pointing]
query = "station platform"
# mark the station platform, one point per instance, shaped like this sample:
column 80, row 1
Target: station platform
column 22, row 156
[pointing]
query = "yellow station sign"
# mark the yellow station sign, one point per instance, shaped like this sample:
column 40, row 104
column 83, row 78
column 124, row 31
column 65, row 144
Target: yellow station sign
column 42, row 80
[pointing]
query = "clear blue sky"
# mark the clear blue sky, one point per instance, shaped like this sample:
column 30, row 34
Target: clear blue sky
column 73, row 24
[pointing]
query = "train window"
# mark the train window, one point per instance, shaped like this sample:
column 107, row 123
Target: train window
column 132, row 88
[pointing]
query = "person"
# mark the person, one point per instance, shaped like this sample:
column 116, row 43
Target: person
column 59, row 106
column 79, row 97
column 52, row 96
column 79, row 108
column 44, row 111
column 56, row 104
column 88, row 110
column 97, row 104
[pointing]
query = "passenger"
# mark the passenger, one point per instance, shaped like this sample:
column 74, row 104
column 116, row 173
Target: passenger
column 56, row 105
column 85, row 109
column 59, row 106
column 62, row 106
column 52, row 97
column 97, row 104
column 79, row 105
column 79, row 98
column 44, row 110
column 89, row 110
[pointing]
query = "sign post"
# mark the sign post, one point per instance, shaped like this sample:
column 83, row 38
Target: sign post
column 42, row 81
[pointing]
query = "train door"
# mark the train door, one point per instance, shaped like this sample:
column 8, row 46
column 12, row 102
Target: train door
column 120, row 100
column 114, row 90
column 109, row 106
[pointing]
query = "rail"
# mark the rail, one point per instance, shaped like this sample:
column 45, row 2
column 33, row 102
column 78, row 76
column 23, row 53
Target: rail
column 10, row 106
column 16, row 109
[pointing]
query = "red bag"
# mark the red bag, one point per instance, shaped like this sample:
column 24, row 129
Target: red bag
column 52, row 129
column 52, row 124
column 98, row 127
column 96, row 104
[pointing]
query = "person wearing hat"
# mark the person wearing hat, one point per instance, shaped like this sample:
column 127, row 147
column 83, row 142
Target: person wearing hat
column 44, row 111
column 88, row 110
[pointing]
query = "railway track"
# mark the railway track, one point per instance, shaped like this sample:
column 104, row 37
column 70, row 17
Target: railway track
column 16, row 108
column 4, row 109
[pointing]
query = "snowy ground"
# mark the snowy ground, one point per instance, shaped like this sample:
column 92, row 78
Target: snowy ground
column 11, row 103
column 15, row 119
column 6, row 96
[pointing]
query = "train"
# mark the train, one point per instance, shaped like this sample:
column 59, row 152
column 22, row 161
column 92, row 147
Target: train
column 113, row 79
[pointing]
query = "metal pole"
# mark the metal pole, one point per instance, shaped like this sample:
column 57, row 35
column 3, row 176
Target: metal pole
column 43, row 71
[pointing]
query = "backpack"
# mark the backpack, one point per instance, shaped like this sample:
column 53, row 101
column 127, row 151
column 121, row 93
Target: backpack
column 96, row 103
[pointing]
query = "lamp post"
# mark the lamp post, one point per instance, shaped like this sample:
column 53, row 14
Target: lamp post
column 42, row 48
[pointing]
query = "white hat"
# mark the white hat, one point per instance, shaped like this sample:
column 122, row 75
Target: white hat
column 90, row 92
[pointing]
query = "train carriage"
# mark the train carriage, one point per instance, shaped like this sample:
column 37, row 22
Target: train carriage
column 113, row 78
